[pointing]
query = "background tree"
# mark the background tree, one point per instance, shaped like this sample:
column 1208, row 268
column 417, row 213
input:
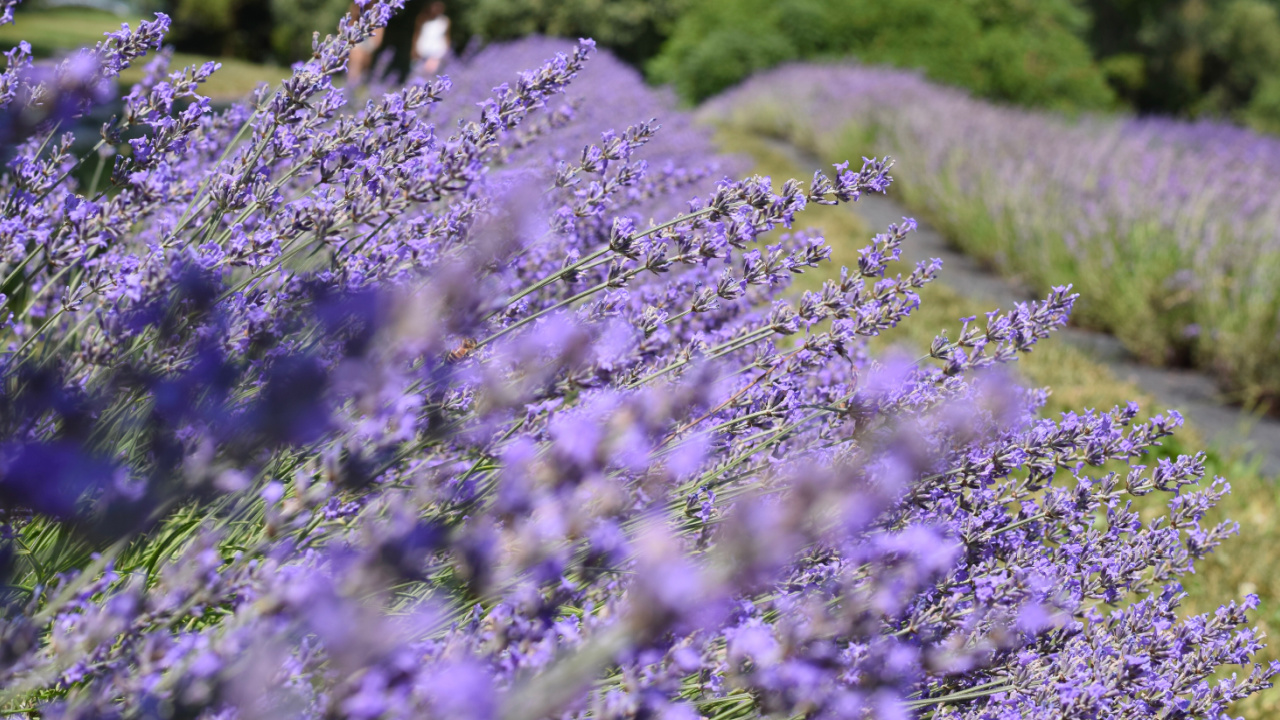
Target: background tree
column 1192, row 57
column 1019, row 51
column 233, row 28
column 633, row 29
column 293, row 22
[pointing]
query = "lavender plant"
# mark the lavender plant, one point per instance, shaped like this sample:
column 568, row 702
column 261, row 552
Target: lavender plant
column 456, row 403
column 1167, row 228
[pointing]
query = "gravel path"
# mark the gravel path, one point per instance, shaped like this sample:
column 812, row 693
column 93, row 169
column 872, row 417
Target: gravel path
column 1190, row 392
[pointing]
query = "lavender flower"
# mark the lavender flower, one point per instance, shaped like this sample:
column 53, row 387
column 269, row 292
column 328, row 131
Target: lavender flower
column 1166, row 227
column 487, row 399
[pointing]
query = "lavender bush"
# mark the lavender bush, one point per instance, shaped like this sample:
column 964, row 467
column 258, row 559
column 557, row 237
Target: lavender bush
column 448, row 404
column 1167, row 228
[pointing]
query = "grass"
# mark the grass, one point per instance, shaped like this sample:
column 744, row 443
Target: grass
column 1245, row 564
column 56, row 31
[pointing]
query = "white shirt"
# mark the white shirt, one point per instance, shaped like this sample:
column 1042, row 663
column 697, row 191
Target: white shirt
column 432, row 39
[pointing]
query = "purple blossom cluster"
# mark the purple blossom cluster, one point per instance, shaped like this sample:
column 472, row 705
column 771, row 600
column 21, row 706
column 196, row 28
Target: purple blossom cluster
column 484, row 397
column 1167, row 228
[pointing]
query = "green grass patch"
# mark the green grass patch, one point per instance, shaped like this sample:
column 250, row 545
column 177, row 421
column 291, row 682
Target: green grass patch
column 61, row 29
column 56, row 31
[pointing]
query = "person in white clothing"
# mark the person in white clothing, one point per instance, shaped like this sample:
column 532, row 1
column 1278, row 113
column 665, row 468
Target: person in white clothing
column 431, row 40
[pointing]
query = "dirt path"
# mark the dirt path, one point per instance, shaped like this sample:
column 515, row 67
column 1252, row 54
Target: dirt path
column 1192, row 393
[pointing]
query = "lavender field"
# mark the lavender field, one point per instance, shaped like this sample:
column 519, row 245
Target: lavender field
column 1168, row 229
column 492, row 396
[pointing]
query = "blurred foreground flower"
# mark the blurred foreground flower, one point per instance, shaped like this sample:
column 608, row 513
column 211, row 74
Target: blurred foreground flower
column 449, row 404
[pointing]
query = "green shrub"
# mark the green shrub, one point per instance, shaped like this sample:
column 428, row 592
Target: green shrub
column 722, row 58
column 228, row 28
column 1263, row 111
column 1193, row 57
column 294, row 21
column 632, row 29
column 256, row 30
column 1028, row 52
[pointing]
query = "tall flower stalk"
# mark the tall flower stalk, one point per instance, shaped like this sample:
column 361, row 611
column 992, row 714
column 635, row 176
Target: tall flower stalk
column 457, row 403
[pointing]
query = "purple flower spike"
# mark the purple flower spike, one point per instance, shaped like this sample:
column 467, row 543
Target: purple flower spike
column 482, row 398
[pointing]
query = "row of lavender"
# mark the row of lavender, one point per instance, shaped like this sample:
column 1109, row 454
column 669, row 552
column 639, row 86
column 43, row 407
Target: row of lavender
column 1170, row 230
column 456, row 403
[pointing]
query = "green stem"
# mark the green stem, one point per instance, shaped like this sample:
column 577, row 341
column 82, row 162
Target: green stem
column 959, row 696
column 598, row 254
column 79, row 161
column 712, row 353
column 14, row 273
column 97, row 175
column 525, row 321
column 552, row 278
column 226, row 153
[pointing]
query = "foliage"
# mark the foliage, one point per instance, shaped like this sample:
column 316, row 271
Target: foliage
column 294, row 21
column 1012, row 50
column 632, row 29
column 232, row 28
column 449, row 404
column 1194, row 57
